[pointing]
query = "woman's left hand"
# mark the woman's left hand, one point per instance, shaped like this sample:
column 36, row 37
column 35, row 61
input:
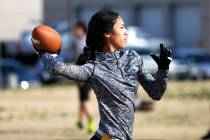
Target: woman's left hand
column 164, row 59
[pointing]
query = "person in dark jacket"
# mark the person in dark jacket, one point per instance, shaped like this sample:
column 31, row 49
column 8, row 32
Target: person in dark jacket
column 114, row 74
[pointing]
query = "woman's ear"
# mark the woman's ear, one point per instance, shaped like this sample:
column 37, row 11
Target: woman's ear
column 107, row 35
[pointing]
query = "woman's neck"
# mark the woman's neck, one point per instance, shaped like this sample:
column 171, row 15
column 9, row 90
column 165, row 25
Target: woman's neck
column 109, row 48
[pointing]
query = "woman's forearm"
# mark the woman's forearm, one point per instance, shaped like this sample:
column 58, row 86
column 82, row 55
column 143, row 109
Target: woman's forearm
column 70, row 71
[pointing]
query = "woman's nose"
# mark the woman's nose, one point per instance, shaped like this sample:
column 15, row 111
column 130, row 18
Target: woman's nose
column 126, row 32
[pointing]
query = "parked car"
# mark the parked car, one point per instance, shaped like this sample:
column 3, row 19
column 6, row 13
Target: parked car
column 137, row 36
column 198, row 59
column 181, row 52
column 177, row 70
column 202, row 62
column 14, row 73
column 9, row 48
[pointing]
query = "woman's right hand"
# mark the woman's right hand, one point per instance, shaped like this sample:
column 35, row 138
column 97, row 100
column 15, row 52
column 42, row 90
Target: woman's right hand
column 39, row 52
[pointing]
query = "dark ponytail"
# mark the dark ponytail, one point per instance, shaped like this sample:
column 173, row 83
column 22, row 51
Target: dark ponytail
column 100, row 23
column 86, row 55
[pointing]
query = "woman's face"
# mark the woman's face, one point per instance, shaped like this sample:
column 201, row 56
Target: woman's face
column 117, row 38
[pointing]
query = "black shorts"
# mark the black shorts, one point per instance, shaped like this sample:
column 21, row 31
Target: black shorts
column 84, row 89
column 95, row 138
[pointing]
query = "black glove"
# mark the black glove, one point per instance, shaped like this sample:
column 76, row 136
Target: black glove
column 164, row 59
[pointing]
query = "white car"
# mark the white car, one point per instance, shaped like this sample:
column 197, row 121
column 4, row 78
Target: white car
column 177, row 69
column 139, row 37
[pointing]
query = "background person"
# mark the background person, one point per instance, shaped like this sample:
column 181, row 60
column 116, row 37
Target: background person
column 77, row 46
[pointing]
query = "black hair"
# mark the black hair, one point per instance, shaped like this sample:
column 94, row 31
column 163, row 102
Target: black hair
column 82, row 25
column 100, row 23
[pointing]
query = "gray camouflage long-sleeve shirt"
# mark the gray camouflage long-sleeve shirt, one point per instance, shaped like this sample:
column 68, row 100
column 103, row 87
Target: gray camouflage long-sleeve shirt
column 114, row 77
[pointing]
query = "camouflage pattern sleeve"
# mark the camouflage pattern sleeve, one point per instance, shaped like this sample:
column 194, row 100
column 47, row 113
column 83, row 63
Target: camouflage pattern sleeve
column 70, row 71
column 156, row 85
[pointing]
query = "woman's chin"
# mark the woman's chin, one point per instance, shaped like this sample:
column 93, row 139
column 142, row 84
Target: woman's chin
column 123, row 46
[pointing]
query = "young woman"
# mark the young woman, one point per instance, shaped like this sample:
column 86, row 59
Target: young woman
column 114, row 74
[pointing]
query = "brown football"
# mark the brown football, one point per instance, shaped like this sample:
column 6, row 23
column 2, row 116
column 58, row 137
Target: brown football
column 46, row 39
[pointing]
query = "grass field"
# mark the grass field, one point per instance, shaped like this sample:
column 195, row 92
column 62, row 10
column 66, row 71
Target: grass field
column 50, row 113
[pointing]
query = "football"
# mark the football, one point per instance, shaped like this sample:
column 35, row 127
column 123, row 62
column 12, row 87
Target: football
column 46, row 39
